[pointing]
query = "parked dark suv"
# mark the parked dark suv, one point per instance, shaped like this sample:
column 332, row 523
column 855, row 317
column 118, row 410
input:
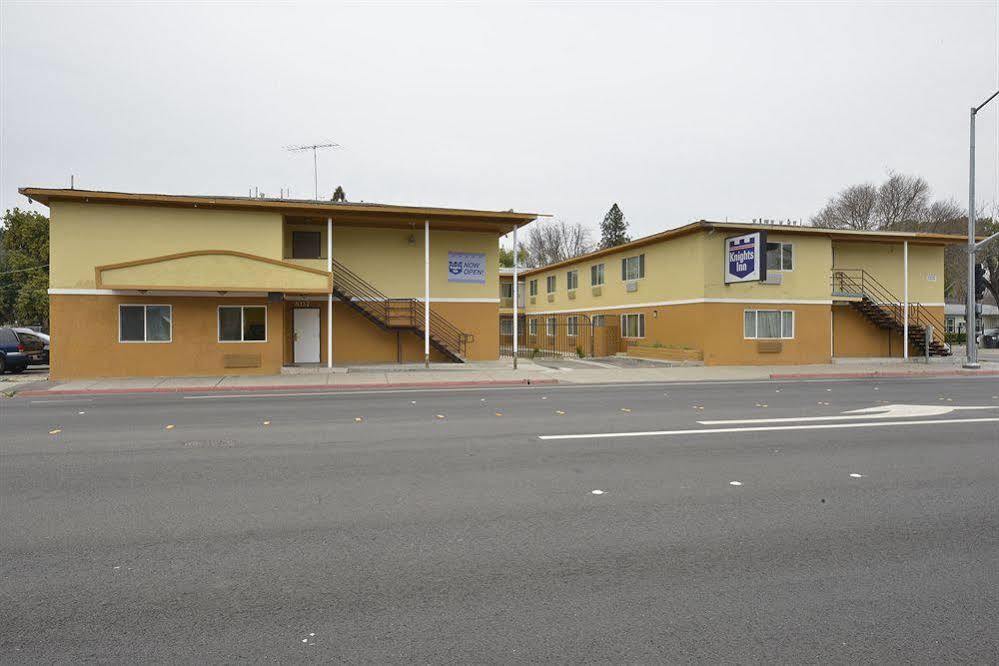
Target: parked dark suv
column 31, row 340
column 15, row 353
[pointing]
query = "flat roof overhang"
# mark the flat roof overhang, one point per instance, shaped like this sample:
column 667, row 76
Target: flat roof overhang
column 345, row 213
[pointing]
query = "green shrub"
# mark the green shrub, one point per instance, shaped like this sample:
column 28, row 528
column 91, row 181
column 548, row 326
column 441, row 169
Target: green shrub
column 579, row 352
column 957, row 338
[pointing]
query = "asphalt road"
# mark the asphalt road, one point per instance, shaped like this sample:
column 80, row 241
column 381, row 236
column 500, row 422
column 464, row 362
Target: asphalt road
column 436, row 526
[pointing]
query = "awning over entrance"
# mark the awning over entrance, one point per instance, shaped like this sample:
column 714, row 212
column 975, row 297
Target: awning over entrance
column 213, row 270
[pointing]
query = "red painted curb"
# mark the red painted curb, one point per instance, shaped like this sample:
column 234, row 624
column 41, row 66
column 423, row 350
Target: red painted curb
column 887, row 373
column 298, row 387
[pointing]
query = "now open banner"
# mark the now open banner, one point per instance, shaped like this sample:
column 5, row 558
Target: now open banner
column 466, row 267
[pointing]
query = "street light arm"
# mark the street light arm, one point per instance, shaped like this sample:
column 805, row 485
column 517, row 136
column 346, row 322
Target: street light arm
column 986, row 240
column 979, row 107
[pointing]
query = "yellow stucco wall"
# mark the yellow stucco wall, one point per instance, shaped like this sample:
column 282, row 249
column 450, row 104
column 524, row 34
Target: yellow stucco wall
column 386, row 259
column 885, row 262
column 220, row 271
column 674, row 270
column 82, row 236
column 808, row 280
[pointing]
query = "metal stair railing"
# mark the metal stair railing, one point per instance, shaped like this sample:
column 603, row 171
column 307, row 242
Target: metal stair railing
column 443, row 330
column 360, row 292
column 397, row 312
column 860, row 283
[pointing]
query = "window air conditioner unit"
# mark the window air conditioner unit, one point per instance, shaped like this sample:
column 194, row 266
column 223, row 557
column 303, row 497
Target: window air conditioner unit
column 774, row 278
column 631, row 286
column 597, row 291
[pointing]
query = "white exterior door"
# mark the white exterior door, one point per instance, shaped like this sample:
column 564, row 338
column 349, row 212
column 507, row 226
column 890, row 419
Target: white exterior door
column 306, row 335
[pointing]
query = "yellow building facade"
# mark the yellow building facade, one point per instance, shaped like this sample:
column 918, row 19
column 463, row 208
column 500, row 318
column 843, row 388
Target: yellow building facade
column 167, row 285
column 824, row 294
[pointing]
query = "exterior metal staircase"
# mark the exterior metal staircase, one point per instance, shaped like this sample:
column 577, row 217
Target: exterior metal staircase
column 883, row 309
column 394, row 314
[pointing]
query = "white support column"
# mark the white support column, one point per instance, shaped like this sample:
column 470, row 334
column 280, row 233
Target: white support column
column 329, row 296
column 426, row 293
column 516, row 313
column 905, row 297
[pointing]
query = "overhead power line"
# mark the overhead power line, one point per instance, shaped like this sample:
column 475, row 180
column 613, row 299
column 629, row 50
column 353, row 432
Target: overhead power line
column 21, row 270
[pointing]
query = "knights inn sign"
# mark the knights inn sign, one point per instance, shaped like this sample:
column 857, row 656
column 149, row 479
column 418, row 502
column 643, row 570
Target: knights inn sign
column 745, row 258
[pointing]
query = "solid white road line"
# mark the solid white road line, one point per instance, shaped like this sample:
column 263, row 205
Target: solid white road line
column 880, row 412
column 716, row 431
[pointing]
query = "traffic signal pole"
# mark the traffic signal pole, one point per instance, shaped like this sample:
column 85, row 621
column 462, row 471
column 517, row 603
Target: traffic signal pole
column 970, row 315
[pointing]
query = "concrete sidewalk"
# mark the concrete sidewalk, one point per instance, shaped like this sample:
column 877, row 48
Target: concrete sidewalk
column 487, row 374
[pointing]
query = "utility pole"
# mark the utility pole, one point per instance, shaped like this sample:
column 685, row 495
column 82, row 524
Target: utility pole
column 315, row 148
column 970, row 315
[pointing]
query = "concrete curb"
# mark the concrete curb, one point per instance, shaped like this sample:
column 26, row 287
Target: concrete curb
column 886, row 373
column 285, row 387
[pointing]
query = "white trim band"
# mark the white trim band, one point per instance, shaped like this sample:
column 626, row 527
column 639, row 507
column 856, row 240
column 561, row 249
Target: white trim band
column 689, row 301
column 55, row 291
column 289, row 296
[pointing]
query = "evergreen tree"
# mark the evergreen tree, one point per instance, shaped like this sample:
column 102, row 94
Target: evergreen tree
column 614, row 228
column 24, row 273
column 339, row 195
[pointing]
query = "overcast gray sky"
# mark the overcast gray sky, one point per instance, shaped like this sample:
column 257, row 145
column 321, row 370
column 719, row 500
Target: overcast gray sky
column 675, row 111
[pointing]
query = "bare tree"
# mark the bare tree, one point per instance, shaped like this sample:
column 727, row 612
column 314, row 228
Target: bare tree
column 556, row 240
column 901, row 202
column 945, row 217
column 853, row 208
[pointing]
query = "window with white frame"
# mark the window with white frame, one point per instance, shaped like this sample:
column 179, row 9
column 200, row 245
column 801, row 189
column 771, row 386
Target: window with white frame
column 633, row 268
column 242, row 323
column 506, row 326
column 532, row 327
column 633, row 325
column 597, row 320
column 550, row 284
column 145, row 323
column 597, row 275
column 550, row 327
column 571, row 280
column 780, row 257
column 768, row 324
column 572, row 326
column 533, row 286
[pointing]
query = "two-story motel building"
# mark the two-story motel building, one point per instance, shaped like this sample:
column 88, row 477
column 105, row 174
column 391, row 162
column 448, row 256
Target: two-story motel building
column 814, row 294
column 151, row 284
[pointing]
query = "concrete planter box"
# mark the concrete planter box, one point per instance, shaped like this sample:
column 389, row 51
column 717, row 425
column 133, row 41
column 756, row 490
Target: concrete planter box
column 665, row 353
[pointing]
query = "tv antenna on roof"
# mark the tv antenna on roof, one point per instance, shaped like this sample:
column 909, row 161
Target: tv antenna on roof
column 315, row 148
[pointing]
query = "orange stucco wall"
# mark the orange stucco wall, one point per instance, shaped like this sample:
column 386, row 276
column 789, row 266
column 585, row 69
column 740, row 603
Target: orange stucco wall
column 85, row 343
column 716, row 329
column 85, row 337
column 855, row 337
